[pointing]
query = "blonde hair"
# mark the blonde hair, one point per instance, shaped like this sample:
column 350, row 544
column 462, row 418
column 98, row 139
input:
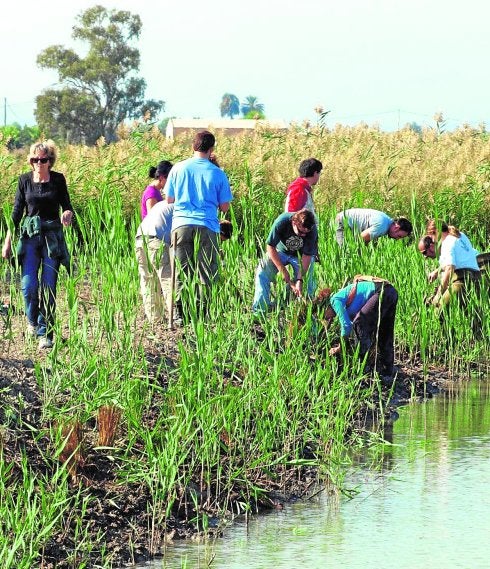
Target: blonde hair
column 46, row 146
column 435, row 227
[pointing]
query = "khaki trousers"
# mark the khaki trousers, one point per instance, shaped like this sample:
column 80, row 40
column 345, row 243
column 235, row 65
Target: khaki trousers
column 155, row 277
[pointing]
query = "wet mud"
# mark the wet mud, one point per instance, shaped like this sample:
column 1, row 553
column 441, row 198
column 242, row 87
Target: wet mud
column 121, row 512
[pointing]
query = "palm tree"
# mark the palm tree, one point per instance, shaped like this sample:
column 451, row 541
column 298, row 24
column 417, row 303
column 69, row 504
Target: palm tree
column 251, row 106
column 229, row 106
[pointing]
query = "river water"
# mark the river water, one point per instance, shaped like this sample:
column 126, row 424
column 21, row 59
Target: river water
column 421, row 500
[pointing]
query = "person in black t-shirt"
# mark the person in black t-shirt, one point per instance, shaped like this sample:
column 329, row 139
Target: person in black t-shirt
column 293, row 241
column 41, row 194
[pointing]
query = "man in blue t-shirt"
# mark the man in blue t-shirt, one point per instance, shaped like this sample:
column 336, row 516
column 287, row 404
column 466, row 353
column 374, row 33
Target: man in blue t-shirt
column 292, row 241
column 371, row 224
column 198, row 189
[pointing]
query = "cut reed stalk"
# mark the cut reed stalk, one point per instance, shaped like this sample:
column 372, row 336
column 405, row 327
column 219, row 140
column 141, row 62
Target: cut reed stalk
column 108, row 420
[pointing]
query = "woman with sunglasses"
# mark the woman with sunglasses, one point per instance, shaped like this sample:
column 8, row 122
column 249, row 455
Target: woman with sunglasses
column 41, row 194
column 458, row 266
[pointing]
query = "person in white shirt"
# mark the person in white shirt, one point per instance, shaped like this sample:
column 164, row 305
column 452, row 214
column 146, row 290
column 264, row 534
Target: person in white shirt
column 458, row 265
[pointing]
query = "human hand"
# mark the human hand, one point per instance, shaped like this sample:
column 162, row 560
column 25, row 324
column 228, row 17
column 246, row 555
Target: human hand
column 6, row 249
column 334, row 350
column 67, row 217
column 296, row 287
column 436, row 299
column 433, row 276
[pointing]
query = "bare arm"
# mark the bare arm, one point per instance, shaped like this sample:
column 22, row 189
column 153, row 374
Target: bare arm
column 224, row 207
column 446, row 275
column 446, row 278
column 366, row 236
column 170, row 200
column 7, row 246
column 150, row 203
column 274, row 257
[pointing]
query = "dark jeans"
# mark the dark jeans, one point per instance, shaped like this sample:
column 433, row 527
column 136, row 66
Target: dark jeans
column 375, row 322
column 40, row 304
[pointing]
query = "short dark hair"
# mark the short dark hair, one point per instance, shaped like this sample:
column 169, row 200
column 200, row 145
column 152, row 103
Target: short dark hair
column 161, row 169
column 225, row 228
column 203, row 141
column 305, row 217
column 309, row 166
column 404, row 225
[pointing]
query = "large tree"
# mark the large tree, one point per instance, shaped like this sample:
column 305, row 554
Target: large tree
column 99, row 91
column 229, row 106
column 251, row 108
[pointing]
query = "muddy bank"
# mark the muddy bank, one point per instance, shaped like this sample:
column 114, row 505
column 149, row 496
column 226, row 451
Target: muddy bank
column 120, row 511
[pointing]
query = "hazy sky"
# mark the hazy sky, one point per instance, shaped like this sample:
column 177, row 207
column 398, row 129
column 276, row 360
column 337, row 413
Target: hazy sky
column 379, row 61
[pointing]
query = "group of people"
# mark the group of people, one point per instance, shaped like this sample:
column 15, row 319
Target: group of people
column 367, row 306
column 177, row 247
column 178, row 238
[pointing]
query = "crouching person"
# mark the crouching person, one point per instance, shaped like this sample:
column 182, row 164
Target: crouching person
column 458, row 263
column 292, row 242
column 368, row 307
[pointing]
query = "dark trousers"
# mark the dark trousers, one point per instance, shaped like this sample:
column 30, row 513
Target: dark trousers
column 375, row 322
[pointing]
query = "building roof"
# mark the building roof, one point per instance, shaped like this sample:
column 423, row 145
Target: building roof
column 225, row 123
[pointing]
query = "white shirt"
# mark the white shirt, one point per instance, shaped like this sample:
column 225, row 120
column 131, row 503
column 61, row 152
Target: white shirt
column 459, row 252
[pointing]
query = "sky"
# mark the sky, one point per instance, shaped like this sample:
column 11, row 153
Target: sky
column 381, row 62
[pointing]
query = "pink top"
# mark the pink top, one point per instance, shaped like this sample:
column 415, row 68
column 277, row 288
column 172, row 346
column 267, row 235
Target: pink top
column 149, row 193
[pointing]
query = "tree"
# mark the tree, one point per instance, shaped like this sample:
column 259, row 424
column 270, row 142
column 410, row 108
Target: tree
column 251, row 108
column 14, row 136
column 99, row 91
column 229, row 106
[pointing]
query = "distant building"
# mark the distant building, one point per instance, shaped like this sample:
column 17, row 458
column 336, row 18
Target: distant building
column 226, row 126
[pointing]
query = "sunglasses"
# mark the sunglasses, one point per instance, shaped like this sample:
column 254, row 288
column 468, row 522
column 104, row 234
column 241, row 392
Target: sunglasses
column 427, row 243
column 36, row 160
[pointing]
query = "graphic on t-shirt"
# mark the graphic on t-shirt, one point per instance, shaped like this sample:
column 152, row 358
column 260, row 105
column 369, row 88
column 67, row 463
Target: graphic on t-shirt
column 294, row 243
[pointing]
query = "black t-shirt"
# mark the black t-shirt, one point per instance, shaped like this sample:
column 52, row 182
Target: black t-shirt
column 284, row 239
column 44, row 199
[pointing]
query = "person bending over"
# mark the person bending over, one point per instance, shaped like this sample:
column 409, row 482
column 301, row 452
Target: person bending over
column 292, row 242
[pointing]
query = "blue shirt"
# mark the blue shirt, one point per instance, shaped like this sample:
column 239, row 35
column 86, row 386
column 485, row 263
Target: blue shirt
column 376, row 222
column 198, row 188
column 338, row 301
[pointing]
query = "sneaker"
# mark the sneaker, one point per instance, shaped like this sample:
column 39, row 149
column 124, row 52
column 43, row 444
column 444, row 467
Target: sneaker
column 387, row 380
column 31, row 330
column 45, row 343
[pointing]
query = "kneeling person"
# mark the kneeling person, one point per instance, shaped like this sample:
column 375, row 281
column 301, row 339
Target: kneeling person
column 292, row 241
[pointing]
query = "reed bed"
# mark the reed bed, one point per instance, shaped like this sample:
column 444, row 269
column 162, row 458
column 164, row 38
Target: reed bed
column 231, row 417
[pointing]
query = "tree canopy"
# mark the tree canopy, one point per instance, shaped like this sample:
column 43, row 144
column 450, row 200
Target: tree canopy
column 99, row 91
column 229, row 106
column 251, row 108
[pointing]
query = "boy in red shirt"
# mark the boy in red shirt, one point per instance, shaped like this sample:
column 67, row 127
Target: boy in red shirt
column 299, row 193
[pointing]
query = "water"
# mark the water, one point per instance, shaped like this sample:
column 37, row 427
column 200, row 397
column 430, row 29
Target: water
column 422, row 501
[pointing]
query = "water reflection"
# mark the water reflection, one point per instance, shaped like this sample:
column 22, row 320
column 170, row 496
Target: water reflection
column 423, row 501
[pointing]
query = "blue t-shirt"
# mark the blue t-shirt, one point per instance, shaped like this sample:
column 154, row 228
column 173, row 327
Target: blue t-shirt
column 198, row 187
column 376, row 222
column 283, row 238
column 338, row 301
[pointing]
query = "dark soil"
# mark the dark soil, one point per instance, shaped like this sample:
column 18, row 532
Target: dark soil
column 121, row 511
